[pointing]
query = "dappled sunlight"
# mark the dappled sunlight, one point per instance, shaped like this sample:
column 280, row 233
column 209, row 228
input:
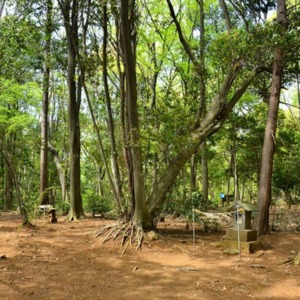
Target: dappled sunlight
column 64, row 260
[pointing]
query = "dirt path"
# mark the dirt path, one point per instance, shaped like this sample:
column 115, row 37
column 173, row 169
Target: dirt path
column 64, row 261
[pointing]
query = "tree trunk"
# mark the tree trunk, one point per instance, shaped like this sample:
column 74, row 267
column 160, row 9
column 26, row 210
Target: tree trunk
column 264, row 196
column 70, row 13
column 156, row 68
column 235, row 176
column 193, row 175
column 202, row 107
column 9, row 189
column 298, row 89
column 2, row 179
column 229, row 177
column 141, row 215
column 128, row 207
column 9, row 175
column 12, row 170
column 126, row 142
column 110, row 123
column 204, row 170
column 61, row 174
column 100, row 177
column 45, row 106
column 153, row 107
column 226, row 15
column 2, row 4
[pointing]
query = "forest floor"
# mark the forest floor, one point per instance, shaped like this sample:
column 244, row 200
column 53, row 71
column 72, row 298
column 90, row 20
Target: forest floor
column 65, row 261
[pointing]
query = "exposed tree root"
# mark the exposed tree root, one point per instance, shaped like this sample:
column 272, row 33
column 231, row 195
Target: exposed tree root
column 74, row 218
column 27, row 224
column 128, row 234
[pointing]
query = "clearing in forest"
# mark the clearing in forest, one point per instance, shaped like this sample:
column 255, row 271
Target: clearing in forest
column 64, row 261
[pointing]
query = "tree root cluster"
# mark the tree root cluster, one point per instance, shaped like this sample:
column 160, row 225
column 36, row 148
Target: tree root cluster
column 128, row 234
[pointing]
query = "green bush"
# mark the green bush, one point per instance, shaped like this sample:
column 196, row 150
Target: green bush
column 96, row 204
column 64, row 207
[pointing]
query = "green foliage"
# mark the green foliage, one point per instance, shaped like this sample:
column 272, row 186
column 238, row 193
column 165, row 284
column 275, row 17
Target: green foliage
column 18, row 104
column 201, row 203
column 64, row 207
column 287, row 162
column 20, row 52
column 31, row 203
column 184, row 206
column 96, row 204
column 163, row 126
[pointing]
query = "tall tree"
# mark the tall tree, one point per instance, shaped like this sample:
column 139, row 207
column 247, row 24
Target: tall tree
column 129, row 206
column 264, row 197
column 110, row 121
column 70, row 12
column 45, row 106
column 141, row 215
column 203, row 104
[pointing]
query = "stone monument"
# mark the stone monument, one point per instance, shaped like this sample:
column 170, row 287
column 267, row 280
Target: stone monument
column 240, row 236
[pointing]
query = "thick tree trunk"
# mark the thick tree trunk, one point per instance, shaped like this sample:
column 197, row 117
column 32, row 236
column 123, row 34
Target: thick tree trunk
column 128, row 207
column 264, row 197
column 141, row 215
column 45, row 107
column 76, row 210
column 70, row 13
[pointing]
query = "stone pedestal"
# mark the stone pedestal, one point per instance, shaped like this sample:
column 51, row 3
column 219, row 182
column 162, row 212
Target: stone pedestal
column 246, row 247
column 248, row 240
column 246, row 235
column 241, row 233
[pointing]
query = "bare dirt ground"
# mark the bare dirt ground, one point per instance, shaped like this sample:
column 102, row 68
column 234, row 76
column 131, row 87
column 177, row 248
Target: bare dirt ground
column 65, row 261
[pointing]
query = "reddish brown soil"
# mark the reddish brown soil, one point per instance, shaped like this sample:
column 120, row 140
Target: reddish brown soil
column 64, row 261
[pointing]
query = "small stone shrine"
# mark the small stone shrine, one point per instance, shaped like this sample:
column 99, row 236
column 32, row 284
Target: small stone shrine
column 240, row 234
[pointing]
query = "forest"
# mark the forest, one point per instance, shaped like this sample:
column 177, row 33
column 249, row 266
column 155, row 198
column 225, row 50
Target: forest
column 147, row 129
column 137, row 109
